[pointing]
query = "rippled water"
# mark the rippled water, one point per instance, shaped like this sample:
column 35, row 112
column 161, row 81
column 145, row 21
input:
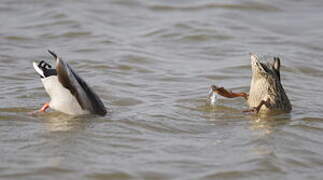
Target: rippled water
column 152, row 62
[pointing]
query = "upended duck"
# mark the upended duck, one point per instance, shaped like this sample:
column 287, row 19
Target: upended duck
column 266, row 93
column 68, row 92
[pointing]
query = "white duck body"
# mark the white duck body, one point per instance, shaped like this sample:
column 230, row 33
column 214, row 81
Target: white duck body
column 68, row 92
column 61, row 98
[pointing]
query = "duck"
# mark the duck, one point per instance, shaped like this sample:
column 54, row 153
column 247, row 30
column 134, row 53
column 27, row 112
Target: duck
column 68, row 92
column 266, row 94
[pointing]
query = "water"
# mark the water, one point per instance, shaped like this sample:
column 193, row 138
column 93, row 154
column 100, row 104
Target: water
column 152, row 63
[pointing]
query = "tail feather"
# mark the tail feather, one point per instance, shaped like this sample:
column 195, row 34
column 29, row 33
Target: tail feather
column 38, row 70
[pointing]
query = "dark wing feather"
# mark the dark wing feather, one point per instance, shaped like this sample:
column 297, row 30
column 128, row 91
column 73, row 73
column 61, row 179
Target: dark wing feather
column 85, row 96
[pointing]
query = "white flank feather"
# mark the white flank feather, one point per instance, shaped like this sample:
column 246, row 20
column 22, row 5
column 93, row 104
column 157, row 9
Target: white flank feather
column 61, row 98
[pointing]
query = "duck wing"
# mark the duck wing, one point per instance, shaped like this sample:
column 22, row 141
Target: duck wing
column 85, row 96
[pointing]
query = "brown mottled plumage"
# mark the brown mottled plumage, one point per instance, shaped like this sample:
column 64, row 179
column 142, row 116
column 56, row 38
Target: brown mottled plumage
column 266, row 91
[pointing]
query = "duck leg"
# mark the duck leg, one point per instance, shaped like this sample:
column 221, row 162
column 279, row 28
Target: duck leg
column 42, row 109
column 226, row 93
column 257, row 108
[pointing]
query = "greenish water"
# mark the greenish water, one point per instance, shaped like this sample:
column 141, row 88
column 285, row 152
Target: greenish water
column 152, row 63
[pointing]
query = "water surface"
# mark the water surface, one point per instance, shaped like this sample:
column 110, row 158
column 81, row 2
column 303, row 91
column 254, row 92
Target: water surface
column 152, row 63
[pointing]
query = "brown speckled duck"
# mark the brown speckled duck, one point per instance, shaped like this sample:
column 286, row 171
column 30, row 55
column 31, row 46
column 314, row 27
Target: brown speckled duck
column 266, row 91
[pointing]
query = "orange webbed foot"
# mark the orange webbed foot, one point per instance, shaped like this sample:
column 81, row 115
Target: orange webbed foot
column 226, row 93
column 42, row 109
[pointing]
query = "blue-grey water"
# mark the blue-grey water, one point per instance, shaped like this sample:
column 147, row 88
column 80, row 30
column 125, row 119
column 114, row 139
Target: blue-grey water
column 152, row 63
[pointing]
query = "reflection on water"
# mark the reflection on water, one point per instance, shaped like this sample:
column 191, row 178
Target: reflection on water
column 267, row 123
column 56, row 122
